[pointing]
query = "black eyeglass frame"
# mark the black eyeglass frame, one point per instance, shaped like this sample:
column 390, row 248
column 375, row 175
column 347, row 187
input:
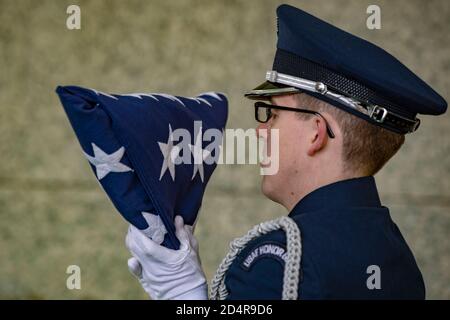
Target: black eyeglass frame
column 268, row 108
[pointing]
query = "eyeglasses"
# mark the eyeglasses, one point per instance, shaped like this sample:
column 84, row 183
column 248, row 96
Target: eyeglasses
column 263, row 113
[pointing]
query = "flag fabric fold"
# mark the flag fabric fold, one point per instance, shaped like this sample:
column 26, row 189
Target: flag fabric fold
column 153, row 153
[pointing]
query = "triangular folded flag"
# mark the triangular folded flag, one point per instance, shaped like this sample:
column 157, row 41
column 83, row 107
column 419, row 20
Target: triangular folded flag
column 153, row 153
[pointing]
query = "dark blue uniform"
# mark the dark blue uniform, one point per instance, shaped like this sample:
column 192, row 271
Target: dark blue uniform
column 345, row 230
column 351, row 247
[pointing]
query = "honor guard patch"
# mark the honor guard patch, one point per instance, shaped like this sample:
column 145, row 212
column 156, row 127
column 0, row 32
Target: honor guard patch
column 265, row 250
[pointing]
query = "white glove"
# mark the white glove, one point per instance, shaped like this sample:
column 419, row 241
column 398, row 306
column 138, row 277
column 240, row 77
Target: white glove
column 165, row 273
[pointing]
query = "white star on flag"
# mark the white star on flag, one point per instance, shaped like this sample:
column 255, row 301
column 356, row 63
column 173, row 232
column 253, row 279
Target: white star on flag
column 170, row 154
column 199, row 155
column 171, row 97
column 156, row 228
column 139, row 95
column 199, row 100
column 204, row 101
column 105, row 94
column 105, row 163
column 212, row 94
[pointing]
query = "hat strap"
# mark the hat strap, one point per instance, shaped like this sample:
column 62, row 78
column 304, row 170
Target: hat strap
column 376, row 113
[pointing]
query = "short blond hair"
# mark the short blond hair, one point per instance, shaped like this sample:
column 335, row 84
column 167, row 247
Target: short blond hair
column 366, row 147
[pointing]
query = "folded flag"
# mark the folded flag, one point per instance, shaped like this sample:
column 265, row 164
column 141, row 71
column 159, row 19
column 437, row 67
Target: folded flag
column 153, row 153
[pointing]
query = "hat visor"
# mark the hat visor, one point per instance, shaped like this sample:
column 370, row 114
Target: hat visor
column 267, row 89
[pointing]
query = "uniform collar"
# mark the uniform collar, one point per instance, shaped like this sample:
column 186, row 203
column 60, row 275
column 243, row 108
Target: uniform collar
column 357, row 192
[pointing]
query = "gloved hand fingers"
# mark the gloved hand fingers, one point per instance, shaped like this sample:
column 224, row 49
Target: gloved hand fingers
column 181, row 233
column 192, row 239
column 143, row 247
column 194, row 224
column 189, row 228
column 146, row 249
column 135, row 267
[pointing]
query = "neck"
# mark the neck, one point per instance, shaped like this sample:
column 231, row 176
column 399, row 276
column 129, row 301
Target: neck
column 313, row 182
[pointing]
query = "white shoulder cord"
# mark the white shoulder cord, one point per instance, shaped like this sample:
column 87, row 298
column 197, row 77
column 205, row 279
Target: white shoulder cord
column 292, row 263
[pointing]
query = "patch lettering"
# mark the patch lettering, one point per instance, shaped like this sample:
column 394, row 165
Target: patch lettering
column 265, row 250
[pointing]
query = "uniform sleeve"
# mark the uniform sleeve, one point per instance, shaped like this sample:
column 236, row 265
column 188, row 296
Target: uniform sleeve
column 257, row 272
column 255, row 276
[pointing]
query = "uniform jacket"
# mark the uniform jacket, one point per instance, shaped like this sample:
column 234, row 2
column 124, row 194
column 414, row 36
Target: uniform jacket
column 348, row 238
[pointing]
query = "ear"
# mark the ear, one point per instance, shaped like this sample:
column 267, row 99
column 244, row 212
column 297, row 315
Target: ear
column 319, row 137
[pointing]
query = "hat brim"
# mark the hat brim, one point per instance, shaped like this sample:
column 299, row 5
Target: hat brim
column 268, row 89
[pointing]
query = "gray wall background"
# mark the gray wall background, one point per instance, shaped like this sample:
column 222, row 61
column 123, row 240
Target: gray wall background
column 52, row 211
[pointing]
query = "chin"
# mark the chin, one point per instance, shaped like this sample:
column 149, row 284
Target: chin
column 268, row 188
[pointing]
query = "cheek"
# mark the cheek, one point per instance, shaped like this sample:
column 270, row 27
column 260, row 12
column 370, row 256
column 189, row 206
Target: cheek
column 289, row 143
column 288, row 151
